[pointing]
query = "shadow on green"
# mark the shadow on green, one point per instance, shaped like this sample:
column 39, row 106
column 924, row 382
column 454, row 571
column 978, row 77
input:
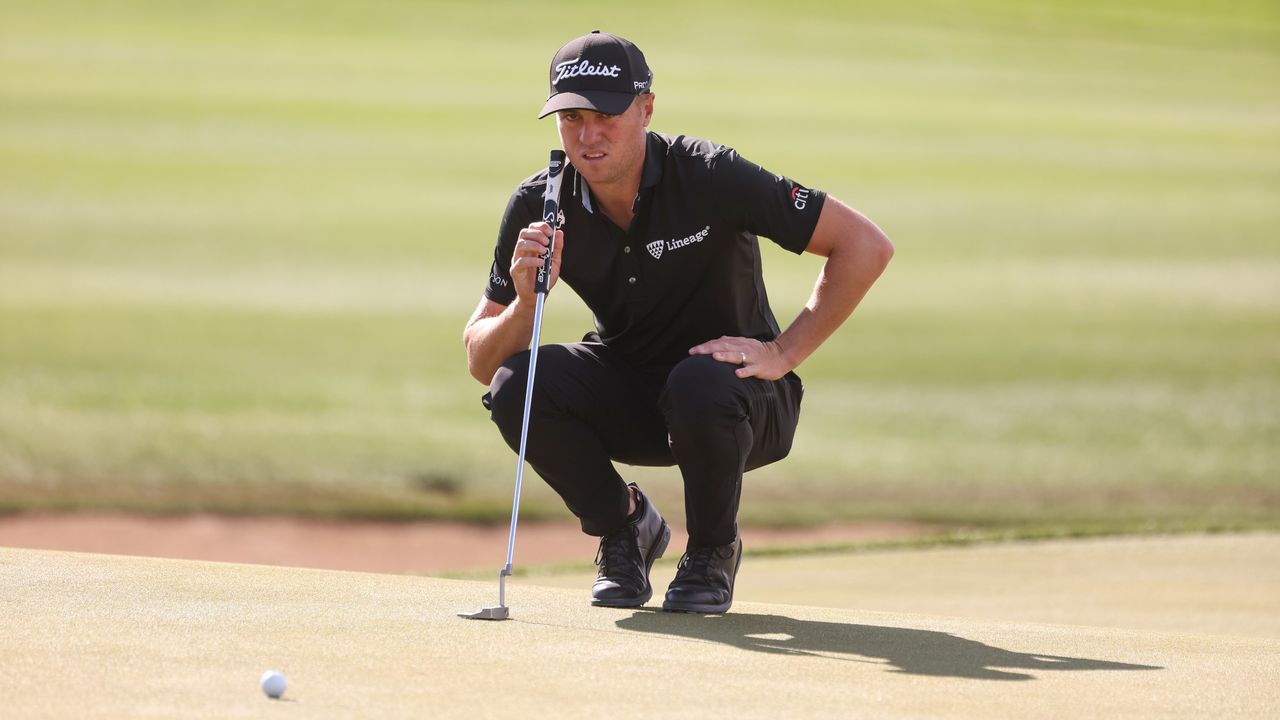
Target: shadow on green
column 910, row 651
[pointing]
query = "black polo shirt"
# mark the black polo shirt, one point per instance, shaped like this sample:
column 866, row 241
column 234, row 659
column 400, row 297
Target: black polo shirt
column 688, row 269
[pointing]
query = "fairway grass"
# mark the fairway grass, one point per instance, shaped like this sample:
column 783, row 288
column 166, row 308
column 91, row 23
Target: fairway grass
column 238, row 244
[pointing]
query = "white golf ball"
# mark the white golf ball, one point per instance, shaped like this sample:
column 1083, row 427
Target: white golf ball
column 273, row 683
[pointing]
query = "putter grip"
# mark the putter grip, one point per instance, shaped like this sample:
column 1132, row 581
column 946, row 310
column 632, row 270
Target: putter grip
column 551, row 214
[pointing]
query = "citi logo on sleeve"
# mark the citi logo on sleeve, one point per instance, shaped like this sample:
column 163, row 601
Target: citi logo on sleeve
column 657, row 247
column 578, row 67
column 799, row 197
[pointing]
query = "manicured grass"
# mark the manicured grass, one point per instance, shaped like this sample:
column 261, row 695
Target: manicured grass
column 238, row 243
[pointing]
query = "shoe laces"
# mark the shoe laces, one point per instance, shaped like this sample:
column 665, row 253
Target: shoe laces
column 697, row 562
column 617, row 551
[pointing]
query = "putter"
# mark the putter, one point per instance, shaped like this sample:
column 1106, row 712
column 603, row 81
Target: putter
column 551, row 214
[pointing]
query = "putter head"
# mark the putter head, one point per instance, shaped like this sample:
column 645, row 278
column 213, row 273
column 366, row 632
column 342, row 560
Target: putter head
column 501, row 612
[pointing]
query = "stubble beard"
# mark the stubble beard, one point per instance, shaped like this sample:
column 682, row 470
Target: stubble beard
column 616, row 170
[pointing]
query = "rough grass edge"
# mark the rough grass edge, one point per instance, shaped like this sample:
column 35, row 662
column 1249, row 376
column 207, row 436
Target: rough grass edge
column 962, row 537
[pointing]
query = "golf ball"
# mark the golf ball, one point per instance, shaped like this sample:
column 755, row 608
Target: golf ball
column 273, row 683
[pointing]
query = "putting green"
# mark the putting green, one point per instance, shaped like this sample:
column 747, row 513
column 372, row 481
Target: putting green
column 1217, row 584
column 108, row 636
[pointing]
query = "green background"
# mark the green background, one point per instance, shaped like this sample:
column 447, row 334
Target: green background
column 239, row 242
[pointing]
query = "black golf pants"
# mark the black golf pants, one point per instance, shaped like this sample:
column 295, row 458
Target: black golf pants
column 589, row 408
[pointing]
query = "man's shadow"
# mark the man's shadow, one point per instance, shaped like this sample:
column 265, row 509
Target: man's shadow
column 916, row 652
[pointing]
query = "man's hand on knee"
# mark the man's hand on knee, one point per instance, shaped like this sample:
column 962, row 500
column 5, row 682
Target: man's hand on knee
column 764, row 360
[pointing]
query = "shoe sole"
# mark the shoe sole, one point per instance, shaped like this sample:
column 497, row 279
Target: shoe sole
column 697, row 609
column 658, row 549
column 702, row 609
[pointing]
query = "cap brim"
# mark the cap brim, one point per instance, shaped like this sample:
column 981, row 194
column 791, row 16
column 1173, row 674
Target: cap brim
column 609, row 103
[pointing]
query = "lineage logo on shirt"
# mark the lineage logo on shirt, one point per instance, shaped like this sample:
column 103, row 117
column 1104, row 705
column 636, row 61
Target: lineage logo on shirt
column 657, row 247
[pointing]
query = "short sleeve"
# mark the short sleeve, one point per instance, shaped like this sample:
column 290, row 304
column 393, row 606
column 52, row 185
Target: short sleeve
column 518, row 215
column 763, row 203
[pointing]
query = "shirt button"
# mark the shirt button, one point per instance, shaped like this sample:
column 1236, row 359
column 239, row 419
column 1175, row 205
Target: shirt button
column 631, row 280
column 627, row 249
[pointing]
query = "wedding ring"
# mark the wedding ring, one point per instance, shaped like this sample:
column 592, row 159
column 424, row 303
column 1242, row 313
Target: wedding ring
column 743, row 356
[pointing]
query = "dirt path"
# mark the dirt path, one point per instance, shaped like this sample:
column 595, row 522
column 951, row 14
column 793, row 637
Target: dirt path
column 427, row 547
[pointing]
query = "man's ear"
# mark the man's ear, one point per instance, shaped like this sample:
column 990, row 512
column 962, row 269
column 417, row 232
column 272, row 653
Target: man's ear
column 646, row 107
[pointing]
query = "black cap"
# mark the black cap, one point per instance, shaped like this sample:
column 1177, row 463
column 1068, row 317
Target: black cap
column 599, row 72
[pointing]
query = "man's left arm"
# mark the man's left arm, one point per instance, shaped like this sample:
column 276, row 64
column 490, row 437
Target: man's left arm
column 857, row 252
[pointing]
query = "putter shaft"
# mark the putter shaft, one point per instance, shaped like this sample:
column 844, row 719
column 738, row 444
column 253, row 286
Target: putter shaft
column 542, row 285
column 524, row 430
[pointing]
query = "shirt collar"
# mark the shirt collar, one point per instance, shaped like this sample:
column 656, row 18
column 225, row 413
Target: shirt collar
column 582, row 190
column 654, row 155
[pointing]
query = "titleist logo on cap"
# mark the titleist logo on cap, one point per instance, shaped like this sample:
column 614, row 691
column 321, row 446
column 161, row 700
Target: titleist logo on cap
column 578, row 67
column 597, row 72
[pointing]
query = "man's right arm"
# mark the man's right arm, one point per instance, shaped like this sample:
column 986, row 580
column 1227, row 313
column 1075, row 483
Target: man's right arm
column 495, row 331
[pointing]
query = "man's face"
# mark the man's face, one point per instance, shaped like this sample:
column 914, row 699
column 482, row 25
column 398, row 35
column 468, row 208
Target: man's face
column 606, row 149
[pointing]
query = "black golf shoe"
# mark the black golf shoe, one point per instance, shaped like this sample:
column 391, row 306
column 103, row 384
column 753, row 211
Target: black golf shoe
column 626, row 556
column 704, row 580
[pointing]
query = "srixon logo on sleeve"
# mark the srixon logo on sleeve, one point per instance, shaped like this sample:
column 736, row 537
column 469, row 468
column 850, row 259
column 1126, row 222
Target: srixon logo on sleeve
column 799, row 197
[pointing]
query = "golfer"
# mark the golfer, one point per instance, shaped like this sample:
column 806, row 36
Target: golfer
column 687, row 365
